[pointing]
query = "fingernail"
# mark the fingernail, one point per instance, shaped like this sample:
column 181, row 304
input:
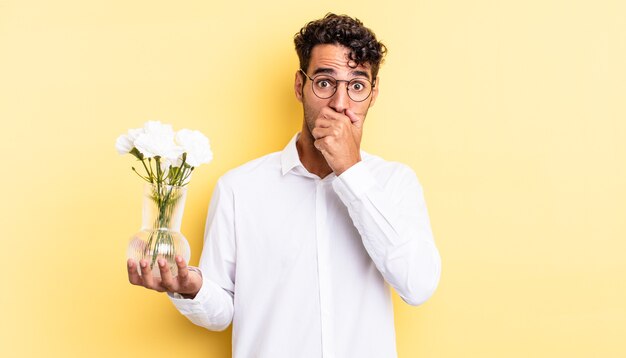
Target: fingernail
column 143, row 264
column 162, row 263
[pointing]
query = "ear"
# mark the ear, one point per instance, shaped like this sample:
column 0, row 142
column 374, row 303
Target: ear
column 375, row 91
column 297, row 85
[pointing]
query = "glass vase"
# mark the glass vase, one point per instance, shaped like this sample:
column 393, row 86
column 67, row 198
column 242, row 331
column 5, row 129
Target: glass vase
column 160, row 235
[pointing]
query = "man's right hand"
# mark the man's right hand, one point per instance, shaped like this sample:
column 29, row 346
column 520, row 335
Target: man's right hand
column 187, row 283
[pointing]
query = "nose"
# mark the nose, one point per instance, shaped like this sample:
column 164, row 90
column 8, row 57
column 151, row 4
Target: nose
column 340, row 101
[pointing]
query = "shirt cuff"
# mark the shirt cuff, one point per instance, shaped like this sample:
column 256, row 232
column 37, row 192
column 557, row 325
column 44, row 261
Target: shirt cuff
column 352, row 184
column 186, row 305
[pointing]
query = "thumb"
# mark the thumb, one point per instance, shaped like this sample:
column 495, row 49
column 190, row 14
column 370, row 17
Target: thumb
column 356, row 121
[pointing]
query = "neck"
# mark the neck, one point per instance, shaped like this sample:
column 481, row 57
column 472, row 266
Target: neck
column 311, row 158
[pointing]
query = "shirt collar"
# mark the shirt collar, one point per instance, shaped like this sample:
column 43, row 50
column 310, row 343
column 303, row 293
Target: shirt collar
column 289, row 157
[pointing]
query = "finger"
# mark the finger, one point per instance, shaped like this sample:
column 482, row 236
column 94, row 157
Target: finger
column 319, row 133
column 340, row 119
column 133, row 274
column 330, row 114
column 353, row 117
column 323, row 122
column 167, row 282
column 183, row 271
column 146, row 275
column 322, row 146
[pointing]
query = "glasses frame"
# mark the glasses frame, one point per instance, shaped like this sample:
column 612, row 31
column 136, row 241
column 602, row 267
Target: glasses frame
column 312, row 79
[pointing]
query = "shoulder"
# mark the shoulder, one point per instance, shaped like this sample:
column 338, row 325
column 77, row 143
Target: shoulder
column 254, row 171
column 388, row 170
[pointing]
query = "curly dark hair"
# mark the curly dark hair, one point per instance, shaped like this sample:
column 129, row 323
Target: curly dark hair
column 345, row 31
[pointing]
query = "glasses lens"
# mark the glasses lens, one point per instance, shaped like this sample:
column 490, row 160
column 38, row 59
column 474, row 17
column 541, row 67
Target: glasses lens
column 359, row 89
column 325, row 87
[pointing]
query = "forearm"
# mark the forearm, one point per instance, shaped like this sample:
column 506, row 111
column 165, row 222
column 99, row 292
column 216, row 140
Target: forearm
column 211, row 307
column 393, row 223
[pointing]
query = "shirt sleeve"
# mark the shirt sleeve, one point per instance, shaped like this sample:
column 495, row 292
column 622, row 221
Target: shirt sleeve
column 212, row 307
column 393, row 222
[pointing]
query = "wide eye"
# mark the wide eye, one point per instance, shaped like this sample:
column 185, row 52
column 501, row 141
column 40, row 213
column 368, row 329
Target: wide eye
column 324, row 83
column 357, row 86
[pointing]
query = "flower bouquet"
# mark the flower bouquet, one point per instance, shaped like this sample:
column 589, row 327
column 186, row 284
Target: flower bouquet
column 167, row 160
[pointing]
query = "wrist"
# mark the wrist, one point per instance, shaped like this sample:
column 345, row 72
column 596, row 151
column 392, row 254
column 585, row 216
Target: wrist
column 344, row 168
column 197, row 278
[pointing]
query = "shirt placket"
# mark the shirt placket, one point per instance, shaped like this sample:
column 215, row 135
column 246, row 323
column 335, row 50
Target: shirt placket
column 323, row 267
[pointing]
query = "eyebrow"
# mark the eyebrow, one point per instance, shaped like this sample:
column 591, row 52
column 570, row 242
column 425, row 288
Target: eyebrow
column 330, row 71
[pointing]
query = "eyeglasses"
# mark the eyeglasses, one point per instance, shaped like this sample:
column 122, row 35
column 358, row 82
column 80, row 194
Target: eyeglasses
column 324, row 86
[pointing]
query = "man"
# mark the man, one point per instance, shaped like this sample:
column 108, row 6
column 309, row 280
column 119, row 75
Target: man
column 302, row 245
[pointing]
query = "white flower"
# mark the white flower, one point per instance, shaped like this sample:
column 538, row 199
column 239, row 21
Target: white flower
column 196, row 145
column 126, row 142
column 167, row 162
column 158, row 128
column 157, row 140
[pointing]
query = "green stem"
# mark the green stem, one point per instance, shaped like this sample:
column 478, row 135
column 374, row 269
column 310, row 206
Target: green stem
column 147, row 171
column 150, row 170
column 141, row 176
column 161, row 241
column 183, row 169
column 187, row 175
column 148, row 248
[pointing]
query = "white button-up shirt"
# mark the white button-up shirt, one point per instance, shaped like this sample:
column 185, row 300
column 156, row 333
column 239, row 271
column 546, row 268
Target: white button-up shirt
column 302, row 265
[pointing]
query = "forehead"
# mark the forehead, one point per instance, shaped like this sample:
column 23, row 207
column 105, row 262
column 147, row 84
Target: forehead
column 335, row 59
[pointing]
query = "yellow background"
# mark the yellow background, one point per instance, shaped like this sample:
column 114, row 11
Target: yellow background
column 512, row 113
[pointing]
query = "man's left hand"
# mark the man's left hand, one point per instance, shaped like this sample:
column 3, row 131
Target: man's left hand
column 338, row 138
